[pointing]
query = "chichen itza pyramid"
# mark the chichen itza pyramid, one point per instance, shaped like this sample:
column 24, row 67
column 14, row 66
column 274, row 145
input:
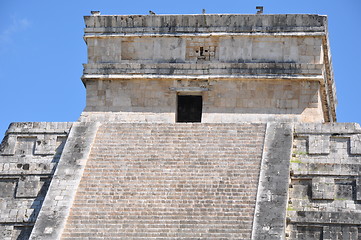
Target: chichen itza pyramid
column 209, row 126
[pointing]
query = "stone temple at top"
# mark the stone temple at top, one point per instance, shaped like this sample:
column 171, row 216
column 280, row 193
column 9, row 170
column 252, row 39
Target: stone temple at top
column 208, row 68
column 209, row 126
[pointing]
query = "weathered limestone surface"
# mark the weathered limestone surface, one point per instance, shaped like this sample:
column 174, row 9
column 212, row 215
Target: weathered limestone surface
column 59, row 199
column 260, row 165
column 169, row 181
column 179, row 51
column 324, row 192
column 136, row 63
column 223, row 101
column 181, row 176
column 29, row 155
column 270, row 213
column 104, row 25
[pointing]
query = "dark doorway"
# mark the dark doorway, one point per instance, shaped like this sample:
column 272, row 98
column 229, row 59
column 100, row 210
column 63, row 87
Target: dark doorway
column 189, row 108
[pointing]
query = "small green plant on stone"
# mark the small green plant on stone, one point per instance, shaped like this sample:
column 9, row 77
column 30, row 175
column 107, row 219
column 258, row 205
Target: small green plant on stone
column 299, row 153
column 289, row 208
column 295, row 160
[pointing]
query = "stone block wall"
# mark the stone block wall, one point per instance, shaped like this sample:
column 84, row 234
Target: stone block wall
column 145, row 50
column 29, row 155
column 203, row 23
column 182, row 49
column 324, row 191
column 223, row 101
column 196, row 179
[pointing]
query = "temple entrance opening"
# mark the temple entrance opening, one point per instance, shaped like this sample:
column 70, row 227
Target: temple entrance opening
column 189, row 108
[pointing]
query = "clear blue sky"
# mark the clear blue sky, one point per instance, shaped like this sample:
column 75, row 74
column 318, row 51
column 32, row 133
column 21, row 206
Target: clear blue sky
column 42, row 50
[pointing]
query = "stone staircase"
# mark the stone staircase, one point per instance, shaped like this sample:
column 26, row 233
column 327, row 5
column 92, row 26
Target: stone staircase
column 169, row 181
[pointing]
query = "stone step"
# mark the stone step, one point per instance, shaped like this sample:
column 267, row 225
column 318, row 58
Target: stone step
column 162, row 181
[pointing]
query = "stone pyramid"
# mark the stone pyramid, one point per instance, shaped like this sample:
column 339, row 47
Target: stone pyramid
column 209, row 126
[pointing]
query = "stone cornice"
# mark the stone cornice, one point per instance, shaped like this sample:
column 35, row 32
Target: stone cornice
column 203, row 71
column 204, row 23
column 86, row 77
column 103, row 33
